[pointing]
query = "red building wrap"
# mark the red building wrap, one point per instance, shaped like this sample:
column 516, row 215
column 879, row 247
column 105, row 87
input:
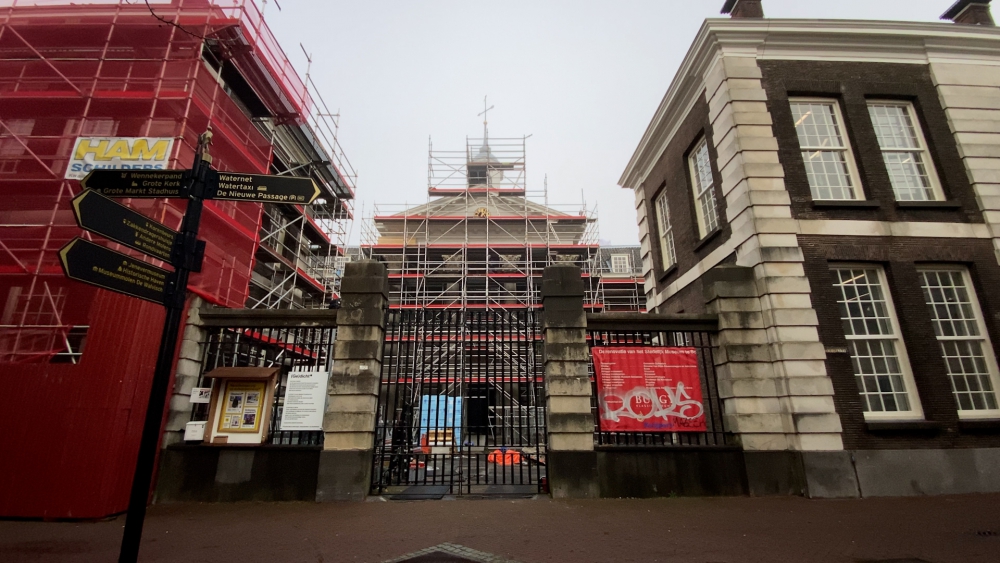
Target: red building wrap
column 76, row 362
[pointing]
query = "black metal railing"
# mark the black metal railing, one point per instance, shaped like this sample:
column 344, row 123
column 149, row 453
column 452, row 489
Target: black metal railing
column 461, row 403
column 641, row 329
column 286, row 339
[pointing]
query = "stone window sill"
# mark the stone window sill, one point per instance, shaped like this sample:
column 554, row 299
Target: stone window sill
column 707, row 238
column 854, row 203
column 666, row 274
column 980, row 425
column 928, row 205
column 903, row 426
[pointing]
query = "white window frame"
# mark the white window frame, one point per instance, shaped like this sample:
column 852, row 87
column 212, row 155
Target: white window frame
column 700, row 191
column 921, row 148
column 628, row 264
column 984, row 338
column 668, row 251
column 852, row 166
column 916, row 409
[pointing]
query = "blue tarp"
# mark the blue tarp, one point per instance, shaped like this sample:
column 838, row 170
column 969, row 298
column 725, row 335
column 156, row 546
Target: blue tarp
column 439, row 413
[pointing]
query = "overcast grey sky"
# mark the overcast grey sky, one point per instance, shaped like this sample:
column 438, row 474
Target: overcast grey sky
column 582, row 77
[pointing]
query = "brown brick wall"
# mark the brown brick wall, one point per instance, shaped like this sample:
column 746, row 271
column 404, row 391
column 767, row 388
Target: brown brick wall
column 672, row 174
column 852, row 84
column 900, row 257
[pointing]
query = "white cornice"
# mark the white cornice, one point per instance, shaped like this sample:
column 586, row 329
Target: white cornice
column 778, row 39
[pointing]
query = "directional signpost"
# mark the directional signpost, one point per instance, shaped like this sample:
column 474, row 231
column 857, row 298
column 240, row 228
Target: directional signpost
column 93, row 264
column 268, row 189
column 136, row 183
column 110, row 219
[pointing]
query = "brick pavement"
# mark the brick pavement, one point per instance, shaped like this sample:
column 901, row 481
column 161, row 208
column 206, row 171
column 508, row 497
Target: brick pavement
column 956, row 529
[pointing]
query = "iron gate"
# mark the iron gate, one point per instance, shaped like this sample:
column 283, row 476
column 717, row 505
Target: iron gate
column 461, row 404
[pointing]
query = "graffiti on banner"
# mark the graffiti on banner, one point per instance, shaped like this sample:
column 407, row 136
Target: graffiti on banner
column 648, row 389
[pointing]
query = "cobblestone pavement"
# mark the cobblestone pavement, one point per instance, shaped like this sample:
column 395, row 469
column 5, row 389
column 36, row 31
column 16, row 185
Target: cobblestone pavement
column 955, row 529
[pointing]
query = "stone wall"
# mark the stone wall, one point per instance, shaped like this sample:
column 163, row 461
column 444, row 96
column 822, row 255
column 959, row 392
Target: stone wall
column 791, row 405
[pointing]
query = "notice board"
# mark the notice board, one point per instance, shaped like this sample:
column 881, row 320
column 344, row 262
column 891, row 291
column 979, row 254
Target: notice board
column 648, row 389
column 305, row 400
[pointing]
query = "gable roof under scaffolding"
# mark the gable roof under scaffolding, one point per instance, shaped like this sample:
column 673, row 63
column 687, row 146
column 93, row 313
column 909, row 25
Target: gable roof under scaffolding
column 508, row 207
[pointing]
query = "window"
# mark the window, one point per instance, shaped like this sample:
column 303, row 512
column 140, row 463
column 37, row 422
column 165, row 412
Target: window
column 904, row 151
column 620, row 264
column 878, row 355
column 958, row 324
column 13, row 139
column 666, row 232
column 826, row 150
column 704, row 189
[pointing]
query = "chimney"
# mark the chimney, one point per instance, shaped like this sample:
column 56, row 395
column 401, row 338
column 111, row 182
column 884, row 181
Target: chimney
column 743, row 9
column 970, row 12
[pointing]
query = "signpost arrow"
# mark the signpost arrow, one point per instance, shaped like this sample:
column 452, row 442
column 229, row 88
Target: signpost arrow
column 265, row 188
column 135, row 183
column 112, row 220
column 93, row 264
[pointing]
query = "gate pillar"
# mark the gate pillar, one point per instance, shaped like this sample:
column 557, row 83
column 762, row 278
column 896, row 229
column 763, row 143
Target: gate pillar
column 571, row 462
column 352, row 395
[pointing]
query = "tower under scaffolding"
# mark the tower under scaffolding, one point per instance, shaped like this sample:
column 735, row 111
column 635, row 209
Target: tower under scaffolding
column 483, row 238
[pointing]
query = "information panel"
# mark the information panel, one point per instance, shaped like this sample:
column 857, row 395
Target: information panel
column 242, row 406
column 647, row 389
column 305, row 401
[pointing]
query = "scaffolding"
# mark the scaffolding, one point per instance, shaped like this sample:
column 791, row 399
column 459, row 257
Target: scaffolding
column 465, row 274
column 483, row 238
column 110, row 69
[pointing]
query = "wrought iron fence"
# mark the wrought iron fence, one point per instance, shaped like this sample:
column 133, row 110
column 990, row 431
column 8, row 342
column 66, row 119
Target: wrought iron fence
column 461, row 404
column 660, row 330
column 302, row 339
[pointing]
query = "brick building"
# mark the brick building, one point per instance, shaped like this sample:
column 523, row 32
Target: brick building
column 831, row 188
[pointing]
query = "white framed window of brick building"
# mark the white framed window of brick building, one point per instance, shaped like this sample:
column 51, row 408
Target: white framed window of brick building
column 878, row 353
column 826, row 149
column 703, row 186
column 965, row 346
column 667, row 250
column 904, row 151
column 621, row 264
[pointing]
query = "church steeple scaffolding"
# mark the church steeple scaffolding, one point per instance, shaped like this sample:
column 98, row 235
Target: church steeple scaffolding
column 483, row 237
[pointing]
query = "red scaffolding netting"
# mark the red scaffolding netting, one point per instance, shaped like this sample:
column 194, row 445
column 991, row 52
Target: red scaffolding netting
column 106, row 69
column 110, row 69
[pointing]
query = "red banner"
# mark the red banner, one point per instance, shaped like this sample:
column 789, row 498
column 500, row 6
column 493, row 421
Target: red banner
column 645, row 389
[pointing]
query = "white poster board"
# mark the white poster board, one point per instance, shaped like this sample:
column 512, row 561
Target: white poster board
column 118, row 153
column 305, row 400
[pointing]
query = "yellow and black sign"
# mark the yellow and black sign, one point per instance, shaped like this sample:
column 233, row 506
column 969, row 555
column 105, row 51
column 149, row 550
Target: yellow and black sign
column 266, row 188
column 113, row 220
column 91, row 263
column 482, row 213
column 135, row 183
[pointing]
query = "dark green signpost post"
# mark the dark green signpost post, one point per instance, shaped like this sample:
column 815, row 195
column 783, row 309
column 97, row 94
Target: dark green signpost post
column 93, row 264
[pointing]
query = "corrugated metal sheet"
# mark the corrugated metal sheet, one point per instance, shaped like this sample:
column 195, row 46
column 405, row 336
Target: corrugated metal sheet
column 71, row 432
